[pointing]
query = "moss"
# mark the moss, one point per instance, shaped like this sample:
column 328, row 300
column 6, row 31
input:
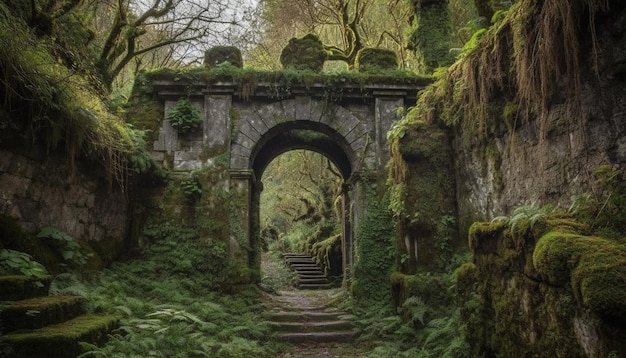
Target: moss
column 535, row 285
column 327, row 254
column 18, row 315
column 432, row 289
column 595, row 267
column 422, row 178
column 223, row 54
column 143, row 110
column 430, row 37
column 375, row 59
column 305, row 53
column 483, row 236
column 62, row 339
column 374, row 248
column 21, row 287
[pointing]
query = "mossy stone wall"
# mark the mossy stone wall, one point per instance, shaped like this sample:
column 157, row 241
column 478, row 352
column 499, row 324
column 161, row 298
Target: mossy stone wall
column 422, row 196
column 543, row 288
column 373, row 245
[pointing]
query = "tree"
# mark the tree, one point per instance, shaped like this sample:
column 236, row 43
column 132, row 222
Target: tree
column 137, row 28
column 300, row 188
column 113, row 34
column 344, row 26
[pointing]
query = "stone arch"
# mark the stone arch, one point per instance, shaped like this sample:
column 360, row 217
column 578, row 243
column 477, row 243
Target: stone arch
column 300, row 123
column 344, row 127
column 240, row 134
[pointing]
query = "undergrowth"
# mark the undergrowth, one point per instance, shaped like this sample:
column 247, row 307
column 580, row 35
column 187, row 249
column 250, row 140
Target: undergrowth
column 423, row 326
column 169, row 306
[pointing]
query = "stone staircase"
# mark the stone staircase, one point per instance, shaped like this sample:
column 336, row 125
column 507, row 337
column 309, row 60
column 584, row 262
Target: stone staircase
column 310, row 276
column 299, row 318
column 33, row 324
column 312, row 327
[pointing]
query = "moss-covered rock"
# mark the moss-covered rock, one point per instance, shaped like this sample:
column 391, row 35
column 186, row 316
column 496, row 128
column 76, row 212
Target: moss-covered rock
column 17, row 287
column 306, row 53
column 376, row 59
column 595, row 268
column 63, row 339
column 430, row 36
column 327, row 254
column 223, row 54
column 540, row 286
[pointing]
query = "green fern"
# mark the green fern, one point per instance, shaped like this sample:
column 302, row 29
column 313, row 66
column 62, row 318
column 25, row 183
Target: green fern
column 16, row 262
column 184, row 116
column 65, row 244
column 416, row 308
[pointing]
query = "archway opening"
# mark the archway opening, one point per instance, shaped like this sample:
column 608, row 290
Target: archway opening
column 301, row 212
column 300, row 198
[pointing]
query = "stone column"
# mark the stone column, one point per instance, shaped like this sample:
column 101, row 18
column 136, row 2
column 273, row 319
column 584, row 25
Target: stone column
column 240, row 246
column 346, row 234
column 385, row 114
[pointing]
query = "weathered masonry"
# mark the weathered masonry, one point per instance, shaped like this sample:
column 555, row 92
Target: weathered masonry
column 347, row 125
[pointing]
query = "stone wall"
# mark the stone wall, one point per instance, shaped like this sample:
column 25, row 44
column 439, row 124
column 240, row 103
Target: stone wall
column 543, row 288
column 40, row 193
column 517, row 168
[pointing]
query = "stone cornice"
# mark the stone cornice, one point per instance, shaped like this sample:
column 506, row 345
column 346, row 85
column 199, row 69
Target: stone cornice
column 173, row 90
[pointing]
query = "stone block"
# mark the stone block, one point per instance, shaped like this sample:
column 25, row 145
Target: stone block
column 271, row 114
column 303, row 108
column 238, row 162
column 247, row 129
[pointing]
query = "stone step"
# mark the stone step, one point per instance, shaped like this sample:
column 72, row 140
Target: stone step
column 16, row 287
column 62, row 339
column 305, row 316
column 305, row 267
column 313, row 275
column 315, row 326
column 314, row 286
column 306, row 281
column 286, row 255
column 318, row 337
column 37, row 312
column 300, row 260
column 307, row 275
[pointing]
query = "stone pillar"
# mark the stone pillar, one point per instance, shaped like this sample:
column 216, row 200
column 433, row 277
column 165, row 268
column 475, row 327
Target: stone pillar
column 385, row 114
column 346, row 234
column 240, row 217
column 217, row 120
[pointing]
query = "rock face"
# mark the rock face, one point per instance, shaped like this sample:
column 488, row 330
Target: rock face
column 551, row 162
column 39, row 194
column 546, row 287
